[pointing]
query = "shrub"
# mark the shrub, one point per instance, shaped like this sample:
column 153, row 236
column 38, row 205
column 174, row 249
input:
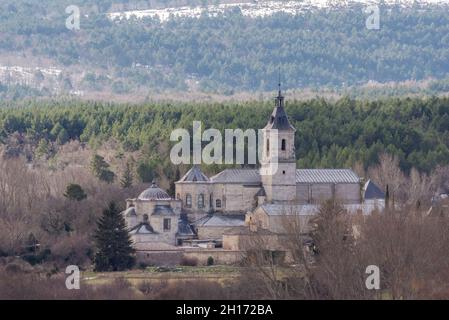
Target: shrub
column 143, row 265
column 13, row 268
column 38, row 258
column 210, row 261
column 189, row 261
column 75, row 192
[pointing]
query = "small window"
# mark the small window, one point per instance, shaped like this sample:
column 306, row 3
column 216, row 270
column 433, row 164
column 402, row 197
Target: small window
column 201, row 201
column 218, row 203
column 283, row 144
column 167, row 224
column 178, row 196
column 268, row 146
column 188, row 200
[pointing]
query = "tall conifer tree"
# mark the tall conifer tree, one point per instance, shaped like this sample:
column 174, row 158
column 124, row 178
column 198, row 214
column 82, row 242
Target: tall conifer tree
column 114, row 250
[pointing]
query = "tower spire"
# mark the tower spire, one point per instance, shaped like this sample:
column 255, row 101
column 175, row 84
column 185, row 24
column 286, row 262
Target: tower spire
column 279, row 98
column 278, row 119
column 279, row 73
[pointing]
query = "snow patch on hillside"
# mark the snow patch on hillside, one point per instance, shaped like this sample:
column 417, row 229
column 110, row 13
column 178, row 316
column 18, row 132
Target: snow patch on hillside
column 260, row 9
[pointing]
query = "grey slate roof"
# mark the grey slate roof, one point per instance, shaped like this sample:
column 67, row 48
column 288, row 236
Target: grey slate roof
column 252, row 176
column 219, row 220
column 261, row 192
column 326, row 176
column 194, row 175
column 275, row 209
column 142, row 228
column 131, row 211
column 184, row 227
column 243, row 176
column 154, row 193
column 372, row 191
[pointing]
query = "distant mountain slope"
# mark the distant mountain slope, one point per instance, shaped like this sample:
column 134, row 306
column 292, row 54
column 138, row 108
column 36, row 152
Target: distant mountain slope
column 226, row 52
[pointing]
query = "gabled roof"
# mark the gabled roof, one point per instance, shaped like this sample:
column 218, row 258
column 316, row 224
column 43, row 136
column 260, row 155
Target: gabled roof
column 142, row 228
column 261, row 192
column 243, row 176
column 372, row 191
column 309, row 176
column 220, row 220
column 326, row 176
column 131, row 211
column 184, row 227
column 194, row 175
column 276, row 209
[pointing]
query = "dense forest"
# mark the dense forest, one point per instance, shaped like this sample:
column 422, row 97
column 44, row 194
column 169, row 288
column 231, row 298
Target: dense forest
column 329, row 134
column 229, row 52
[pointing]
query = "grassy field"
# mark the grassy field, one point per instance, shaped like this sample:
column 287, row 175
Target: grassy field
column 157, row 274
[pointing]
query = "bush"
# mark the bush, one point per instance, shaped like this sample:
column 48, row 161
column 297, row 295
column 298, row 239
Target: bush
column 210, row 261
column 189, row 261
column 38, row 258
column 152, row 289
column 75, row 192
column 143, row 265
column 13, row 268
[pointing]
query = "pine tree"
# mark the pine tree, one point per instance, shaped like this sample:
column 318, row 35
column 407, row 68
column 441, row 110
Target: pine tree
column 127, row 179
column 115, row 252
column 42, row 148
column 75, row 192
column 100, row 168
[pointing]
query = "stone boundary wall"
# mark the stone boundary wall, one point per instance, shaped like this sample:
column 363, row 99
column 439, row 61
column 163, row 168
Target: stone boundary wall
column 220, row 256
column 175, row 257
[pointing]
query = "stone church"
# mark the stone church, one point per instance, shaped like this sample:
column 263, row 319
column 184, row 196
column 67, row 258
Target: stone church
column 206, row 208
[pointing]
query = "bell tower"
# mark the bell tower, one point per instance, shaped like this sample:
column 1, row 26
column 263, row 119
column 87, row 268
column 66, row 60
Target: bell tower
column 278, row 169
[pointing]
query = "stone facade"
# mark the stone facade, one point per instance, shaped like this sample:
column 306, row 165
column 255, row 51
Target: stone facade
column 261, row 194
column 276, row 195
column 154, row 218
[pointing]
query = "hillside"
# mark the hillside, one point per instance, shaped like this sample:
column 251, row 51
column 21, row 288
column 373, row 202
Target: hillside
column 219, row 50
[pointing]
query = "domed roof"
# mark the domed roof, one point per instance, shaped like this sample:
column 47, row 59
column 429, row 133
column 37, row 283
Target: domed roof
column 154, row 193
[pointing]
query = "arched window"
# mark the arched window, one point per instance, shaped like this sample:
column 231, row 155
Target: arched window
column 218, row 203
column 201, row 201
column 268, row 146
column 283, row 144
column 188, row 200
column 178, row 196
